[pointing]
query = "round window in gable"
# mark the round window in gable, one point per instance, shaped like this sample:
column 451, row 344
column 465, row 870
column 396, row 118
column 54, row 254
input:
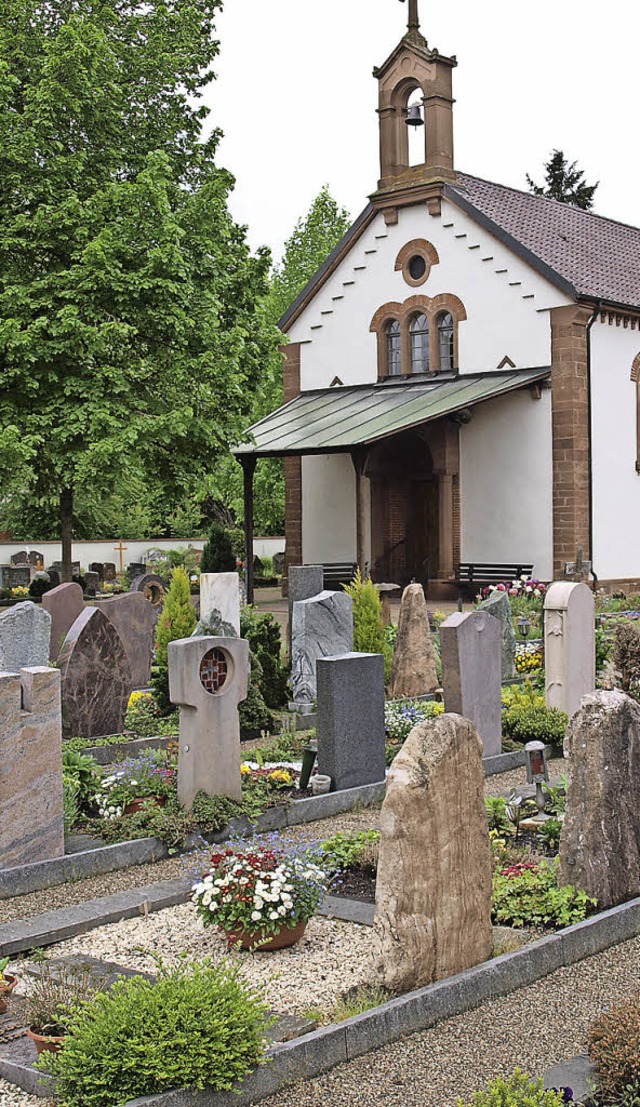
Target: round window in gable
column 417, row 267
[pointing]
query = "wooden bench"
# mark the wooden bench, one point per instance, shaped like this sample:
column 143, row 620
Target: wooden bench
column 338, row 574
column 480, row 574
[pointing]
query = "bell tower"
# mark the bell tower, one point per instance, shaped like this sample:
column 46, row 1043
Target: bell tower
column 413, row 68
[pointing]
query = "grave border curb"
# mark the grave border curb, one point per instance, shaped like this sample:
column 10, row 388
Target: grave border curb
column 321, row 1050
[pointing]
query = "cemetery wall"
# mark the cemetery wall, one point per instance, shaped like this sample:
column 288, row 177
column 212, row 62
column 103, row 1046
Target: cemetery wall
column 88, row 552
column 507, row 519
column 615, row 480
column 492, row 291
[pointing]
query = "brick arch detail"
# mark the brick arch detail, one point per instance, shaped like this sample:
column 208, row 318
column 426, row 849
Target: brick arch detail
column 425, row 250
column 635, row 369
column 446, row 301
column 384, row 314
column 402, row 312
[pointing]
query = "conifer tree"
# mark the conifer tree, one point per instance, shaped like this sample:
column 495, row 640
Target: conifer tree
column 177, row 620
column 564, row 183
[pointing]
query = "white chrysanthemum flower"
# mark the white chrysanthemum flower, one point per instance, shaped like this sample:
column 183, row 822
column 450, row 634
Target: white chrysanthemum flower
column 256, row 916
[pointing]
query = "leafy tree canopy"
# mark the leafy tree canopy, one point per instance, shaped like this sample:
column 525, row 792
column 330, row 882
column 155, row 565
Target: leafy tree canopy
column 129, row 329
column 565, row 183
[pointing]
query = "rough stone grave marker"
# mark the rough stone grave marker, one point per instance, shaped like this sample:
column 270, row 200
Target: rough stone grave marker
column 433, row 890
column 413, row 671
column 152, row 586
column 303, row 582
column 221, row 592
column 498, row 605
column 31, row 814
column 25, row 637
column 64, row 604
column 321, row 627
column 208, row 678
column 351, row 735
column 96, row 677
column 135, row 621
column 471, row 649
column 600, row 839
column 569, row 645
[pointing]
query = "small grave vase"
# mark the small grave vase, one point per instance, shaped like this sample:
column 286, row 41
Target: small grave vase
column 7, row 984
column 282, row 939
column 45, row 1043
column 137, row 804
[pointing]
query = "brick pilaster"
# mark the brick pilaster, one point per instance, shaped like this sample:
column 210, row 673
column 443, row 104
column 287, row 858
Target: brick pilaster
column 570, row 430
column 292, row 469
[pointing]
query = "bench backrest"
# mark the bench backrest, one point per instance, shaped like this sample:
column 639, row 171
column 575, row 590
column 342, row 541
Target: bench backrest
column 491, row 573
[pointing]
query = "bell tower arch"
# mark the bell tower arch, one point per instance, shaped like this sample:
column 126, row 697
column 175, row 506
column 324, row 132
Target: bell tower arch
column 414, row 67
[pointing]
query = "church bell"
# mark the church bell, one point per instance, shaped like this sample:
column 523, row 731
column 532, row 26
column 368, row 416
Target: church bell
column 414, row 116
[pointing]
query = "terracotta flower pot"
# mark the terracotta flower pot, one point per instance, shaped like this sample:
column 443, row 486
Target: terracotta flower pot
column 286, row 936
column 46, row 1043
column 7, row 984
column 137, row 804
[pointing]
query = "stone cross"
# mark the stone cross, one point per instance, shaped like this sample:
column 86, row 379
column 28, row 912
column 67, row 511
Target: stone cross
column 569, row 645
column 471, row 647
column 413, row 22
column 208, row 678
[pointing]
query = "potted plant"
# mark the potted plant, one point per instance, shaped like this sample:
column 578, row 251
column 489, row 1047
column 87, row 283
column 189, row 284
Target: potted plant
column 261, row 895
column 139, row 781
column 7, row 983
column 52, row 994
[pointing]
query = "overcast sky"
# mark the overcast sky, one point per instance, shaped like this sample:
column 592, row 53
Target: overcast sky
column 296, row 98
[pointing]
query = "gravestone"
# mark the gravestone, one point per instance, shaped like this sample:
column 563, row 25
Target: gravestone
column 64, row 604
column 75, row 567
column 350, row 723
column 278, row 563
column 208, row 678
column 221, row 592
column 109, row 569
column 92, row 583
column 31, row 813
column 569, row 645
column 97, row 567
column 25, row 637
column 135, row 620
column 471, row 650
column 96, row 677
column 600, row 838
column 303, row 582
column 152, row 586
column 498, row 605
column 35, row 559
column 413, row 670
column 136, row 569
column 20, row 558
column 321, row 627
column 15, row 576
column 433, row 889
column 54, row 577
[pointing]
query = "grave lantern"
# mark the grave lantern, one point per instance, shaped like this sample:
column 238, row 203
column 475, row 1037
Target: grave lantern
column 537, row 772
column 208, row 677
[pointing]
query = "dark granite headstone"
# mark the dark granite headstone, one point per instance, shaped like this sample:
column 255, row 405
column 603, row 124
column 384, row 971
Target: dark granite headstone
column 36, row 558
column 64, row 603
column 20, row 558
column 15, row 576
column 92, row 583
column 96, row 677
column 75, row 567
column 109, row 570
column 54, row 577
column 350, row 719
column 278, row 563
column 135, row 621
column 152, row 586
column 97, row 567
column 136, row 569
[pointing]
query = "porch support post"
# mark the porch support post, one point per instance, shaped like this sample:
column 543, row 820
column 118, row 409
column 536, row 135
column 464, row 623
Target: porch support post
column 359, row 457
column 248, row 463
column 446, row 526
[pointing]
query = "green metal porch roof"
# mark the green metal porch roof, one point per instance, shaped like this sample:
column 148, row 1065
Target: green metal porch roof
column 333, row 420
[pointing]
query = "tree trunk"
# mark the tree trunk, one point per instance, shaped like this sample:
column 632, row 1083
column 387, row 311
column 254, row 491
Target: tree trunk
column 66, row 531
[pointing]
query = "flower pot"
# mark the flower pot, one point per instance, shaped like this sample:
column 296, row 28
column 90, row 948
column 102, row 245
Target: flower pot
column 7, row 984
column 46, row 1043
column 137, row 804
column 286, row 936
column 320, row 784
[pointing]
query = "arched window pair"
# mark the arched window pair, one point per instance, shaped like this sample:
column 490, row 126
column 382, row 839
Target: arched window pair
column 420, row 357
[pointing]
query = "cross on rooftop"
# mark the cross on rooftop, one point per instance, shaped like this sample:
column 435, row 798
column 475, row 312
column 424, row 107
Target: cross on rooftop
column 414, row 22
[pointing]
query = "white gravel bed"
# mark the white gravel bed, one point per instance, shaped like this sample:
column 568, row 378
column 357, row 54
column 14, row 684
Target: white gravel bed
column 332, row 956
column 10, row 1096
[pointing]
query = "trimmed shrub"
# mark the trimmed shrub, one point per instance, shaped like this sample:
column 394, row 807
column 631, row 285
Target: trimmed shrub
column 614, row 1048
column 177, row 620
column 518, row 1090
column 218, row 555
column 531, row 724
column 263, row 635
column 368, row 630
column 198, row 1025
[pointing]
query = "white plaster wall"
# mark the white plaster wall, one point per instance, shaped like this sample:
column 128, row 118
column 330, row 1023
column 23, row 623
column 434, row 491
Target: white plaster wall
column 88, row 552
column 506, row 301
column 616, row 484
column 506, row 482
column 328, row 509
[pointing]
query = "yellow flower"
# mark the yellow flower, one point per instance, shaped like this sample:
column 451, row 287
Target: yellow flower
column 280, row 775
column 245, row 770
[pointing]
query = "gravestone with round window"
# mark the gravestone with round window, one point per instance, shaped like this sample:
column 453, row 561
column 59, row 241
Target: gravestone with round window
column 208, row 678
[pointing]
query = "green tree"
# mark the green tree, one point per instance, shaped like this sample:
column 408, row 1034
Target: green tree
column 217, row 555
column 177, row 620
column 565, row 183
column 132, row 336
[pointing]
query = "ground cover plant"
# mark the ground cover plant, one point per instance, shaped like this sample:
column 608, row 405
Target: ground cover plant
column 526, row 718
column 518, row 1090
column 199, row 1024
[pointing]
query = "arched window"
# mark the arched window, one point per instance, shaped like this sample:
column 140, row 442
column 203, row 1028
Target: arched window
column 445, row 341
column 419, row 333
column 392, row 331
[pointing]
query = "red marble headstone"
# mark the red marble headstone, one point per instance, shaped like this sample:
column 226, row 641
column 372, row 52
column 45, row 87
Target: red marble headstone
column 96, row 677
column 64, row 604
